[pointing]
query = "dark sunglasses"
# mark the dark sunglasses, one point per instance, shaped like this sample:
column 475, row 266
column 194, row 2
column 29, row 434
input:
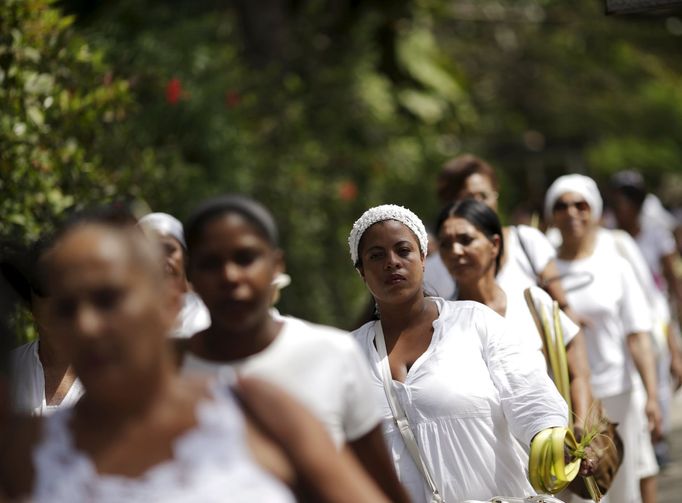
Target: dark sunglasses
column 581, row 206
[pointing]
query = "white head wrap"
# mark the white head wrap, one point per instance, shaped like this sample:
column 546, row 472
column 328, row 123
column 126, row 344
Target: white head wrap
column 380, row 214
column 164, row 224
column 580, row 184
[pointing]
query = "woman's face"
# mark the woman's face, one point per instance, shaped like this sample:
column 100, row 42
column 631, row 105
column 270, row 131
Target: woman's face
column 572, row 215
column 109, row 308
column 466, row 251
column 173, row 258
column 392, row 264
column 174, row 253
column 479, row 187
column 232, row 267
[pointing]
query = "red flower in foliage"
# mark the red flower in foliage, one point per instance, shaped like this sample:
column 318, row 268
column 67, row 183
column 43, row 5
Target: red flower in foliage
column 232, row 98
column 348, row 191
column 173, row 91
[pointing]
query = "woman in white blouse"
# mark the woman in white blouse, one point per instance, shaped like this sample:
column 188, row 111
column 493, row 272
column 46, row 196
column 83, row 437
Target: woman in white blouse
column 465, row 385
column 43, row 379
column 471, row 243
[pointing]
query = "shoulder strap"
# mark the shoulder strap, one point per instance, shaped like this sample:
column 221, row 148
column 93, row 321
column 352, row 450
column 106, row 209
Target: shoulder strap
column 400, row 417
column 524, row 248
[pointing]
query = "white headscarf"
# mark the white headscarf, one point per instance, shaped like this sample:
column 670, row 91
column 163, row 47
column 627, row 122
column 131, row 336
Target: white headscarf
column 580, row 184
column 164, row 224
column 380, row 214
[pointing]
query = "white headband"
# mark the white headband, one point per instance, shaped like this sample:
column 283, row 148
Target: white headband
column 580, row 184
column 380, row 214
column 164, row 224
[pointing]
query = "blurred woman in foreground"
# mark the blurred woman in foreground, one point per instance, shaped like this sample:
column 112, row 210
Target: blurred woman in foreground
column 234, row 261
column 141, row 433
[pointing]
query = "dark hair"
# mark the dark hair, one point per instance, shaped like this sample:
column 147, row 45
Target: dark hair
column 109, row 215
column 630, row 184
column 480, row 216
column 24, row 272
column 21, row 265
column 455, row 172
column 249, row 208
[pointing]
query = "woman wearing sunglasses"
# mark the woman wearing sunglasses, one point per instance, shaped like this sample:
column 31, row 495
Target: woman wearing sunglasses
column 617, row 322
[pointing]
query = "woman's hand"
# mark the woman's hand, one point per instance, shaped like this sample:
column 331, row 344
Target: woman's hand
column 590, row 463
column 653, row 414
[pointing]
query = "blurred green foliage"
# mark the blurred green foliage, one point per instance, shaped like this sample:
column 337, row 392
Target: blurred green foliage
column 321, row 108
column 64, row 132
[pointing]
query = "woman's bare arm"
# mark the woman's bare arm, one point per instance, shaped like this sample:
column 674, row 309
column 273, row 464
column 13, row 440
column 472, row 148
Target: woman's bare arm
column 329, row 476
column 16, row 463
column 371, row 451
column 639, row 345
column 579, row 375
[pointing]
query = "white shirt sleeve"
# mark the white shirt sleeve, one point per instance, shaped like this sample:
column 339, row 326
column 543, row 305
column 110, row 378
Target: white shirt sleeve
column 634, row 309
column 362, row 413
column 530, row 401
column 539, row 250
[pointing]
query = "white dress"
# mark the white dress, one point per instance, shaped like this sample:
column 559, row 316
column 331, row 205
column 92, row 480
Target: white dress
column 320, row 366
column 614, row 304
column 28, row 383
column 609, row 296
column 471, row 392
column 211, row 463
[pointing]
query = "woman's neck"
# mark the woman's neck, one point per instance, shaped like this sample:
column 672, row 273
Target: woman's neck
column 50, row 356
column 486, row 291
column 397, row 317
column 149, row 391
column 578, row 248
column 220, row 344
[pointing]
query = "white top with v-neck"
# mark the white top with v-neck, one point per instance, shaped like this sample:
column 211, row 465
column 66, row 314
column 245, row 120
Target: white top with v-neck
column 466, row 397
column 211, row 462
column 28, row 384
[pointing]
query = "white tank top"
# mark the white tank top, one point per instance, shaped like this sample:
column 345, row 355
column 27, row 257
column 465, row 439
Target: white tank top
column 211, row 463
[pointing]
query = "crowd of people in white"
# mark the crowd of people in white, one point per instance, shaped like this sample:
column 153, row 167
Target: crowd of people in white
column 162, row 370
